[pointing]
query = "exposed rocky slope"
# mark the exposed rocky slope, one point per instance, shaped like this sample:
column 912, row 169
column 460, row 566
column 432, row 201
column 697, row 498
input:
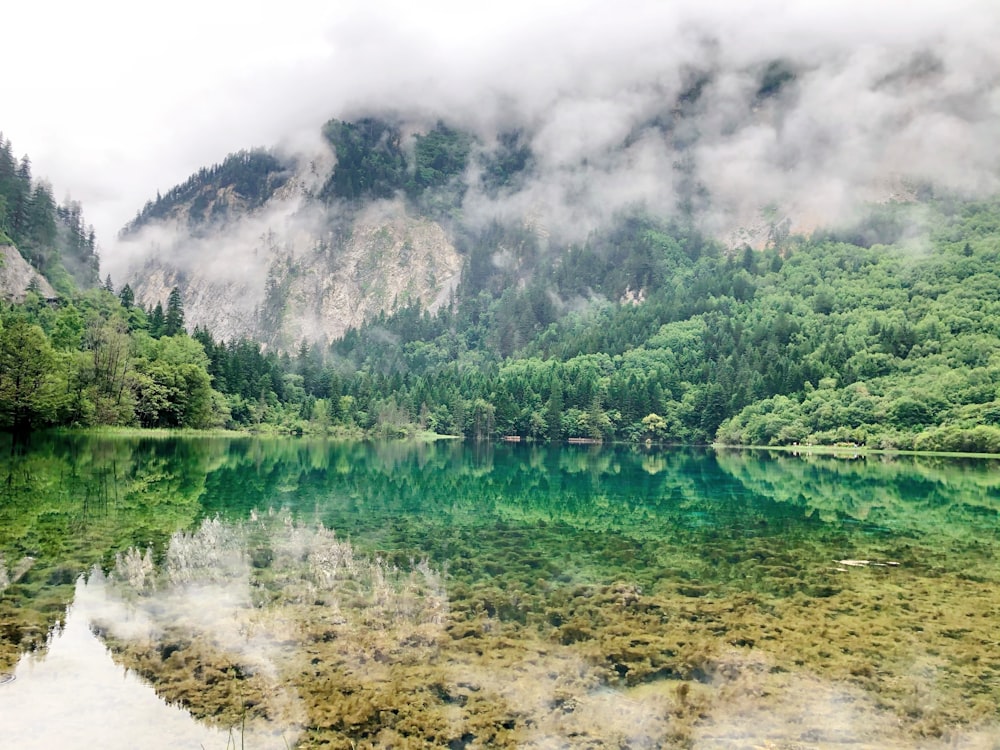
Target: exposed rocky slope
column 288, row 267
column 744, row 151
column 303, row 284
column 16, row 276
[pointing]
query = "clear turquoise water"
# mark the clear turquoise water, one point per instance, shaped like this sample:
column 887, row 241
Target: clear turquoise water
column 280, row 592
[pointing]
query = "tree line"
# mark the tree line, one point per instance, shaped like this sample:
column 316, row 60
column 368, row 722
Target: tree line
column 645, row 332
column 883, row 333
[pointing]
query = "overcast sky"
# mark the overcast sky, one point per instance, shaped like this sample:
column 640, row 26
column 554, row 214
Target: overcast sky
column 115, row 100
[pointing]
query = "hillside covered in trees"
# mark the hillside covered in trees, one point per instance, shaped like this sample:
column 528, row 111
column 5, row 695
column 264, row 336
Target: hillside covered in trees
column 884, row 334
column 53, row 238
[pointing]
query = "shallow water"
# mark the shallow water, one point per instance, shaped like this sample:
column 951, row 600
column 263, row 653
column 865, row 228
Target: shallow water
column 216, row 592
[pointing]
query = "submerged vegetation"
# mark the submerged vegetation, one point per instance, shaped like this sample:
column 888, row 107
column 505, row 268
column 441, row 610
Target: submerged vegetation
column 435, row 595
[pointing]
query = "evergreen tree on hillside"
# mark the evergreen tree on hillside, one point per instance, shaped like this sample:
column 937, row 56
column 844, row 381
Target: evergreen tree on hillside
column 18, row 202
column 39, row 231
column 156, row 321
column 253, row 175
column 173, row 321
column 370, row 160
column 52, row 238
column 127, row 297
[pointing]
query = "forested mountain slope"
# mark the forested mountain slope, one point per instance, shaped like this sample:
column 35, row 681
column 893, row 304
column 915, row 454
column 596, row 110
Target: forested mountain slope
column 283, row 249
column 819, row 340
column 389, row 210
column 52, row 238
column 409, row 273
column 886, row 334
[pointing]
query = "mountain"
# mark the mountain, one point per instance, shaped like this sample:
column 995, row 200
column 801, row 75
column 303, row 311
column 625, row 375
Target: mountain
column 385, row 208
column 284, row 250
column 694, row 259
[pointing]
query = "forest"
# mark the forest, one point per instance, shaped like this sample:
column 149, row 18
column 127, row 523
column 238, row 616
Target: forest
column 881, row 334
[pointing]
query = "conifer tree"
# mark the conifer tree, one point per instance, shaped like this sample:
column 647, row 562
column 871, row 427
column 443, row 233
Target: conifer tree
column 173, row 322
column 127, row 297
column 156, row 321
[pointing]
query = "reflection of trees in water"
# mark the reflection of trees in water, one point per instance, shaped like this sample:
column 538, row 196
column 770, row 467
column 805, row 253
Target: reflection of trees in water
column 943, row 498
column 524, row 536
column 68, row 504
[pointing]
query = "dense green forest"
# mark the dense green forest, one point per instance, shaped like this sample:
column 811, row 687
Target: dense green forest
column 885, row 333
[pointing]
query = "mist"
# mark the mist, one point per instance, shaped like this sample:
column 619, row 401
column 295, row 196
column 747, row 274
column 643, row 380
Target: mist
column 744, row 118
column 809, row 109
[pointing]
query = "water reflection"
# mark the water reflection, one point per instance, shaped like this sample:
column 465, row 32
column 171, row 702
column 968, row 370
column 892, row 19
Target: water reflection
column 68, row 698
column 438, row 595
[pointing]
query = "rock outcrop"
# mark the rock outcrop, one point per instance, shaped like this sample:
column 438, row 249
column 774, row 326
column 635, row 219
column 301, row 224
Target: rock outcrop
column 295, row 268
column 17, row 276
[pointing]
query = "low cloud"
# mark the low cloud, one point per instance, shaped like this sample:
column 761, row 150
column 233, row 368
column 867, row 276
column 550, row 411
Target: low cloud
column 805, row 110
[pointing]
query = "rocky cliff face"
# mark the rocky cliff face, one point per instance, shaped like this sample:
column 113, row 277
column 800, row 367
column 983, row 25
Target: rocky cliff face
column 285, row 249
column 295, row 268
column 16, row 276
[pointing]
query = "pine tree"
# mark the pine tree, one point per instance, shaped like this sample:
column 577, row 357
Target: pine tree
column 19, row 201
column 39, row 229
column 173, row 322
column 127, row 297
column 156, row 321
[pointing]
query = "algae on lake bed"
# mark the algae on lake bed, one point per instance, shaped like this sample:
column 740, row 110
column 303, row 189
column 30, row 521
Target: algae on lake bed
column 344, row 650
column 433, row 596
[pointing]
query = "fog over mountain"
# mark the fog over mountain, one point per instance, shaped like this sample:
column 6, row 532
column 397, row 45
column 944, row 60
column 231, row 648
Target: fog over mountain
column 748, row 117
column 883, row 91
column 785, row 104
column 809, row 107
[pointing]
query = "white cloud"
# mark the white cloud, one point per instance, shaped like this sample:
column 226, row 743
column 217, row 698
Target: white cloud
column 113, row 103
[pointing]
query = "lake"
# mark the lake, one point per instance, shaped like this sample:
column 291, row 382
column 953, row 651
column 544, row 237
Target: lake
column 255, row 593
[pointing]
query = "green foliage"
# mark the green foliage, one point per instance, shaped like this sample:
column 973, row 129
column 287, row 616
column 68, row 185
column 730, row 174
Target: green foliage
column 835, row 342
column 87, row 363
column 370, row 161
column 439, row 160
column 32, row 391
column 127, row 297
column 504, row 169
column 173, row 320
column 372, row 164
column 645, row 331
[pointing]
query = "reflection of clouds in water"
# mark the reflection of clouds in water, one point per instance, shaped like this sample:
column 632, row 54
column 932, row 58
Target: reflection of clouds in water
column 242, row 591
column 67, row 698
column 14, row 574
column 753, row 704
column 334, row 638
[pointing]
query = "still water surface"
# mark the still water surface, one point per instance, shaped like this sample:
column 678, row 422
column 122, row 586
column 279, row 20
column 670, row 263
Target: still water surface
column 198, row 592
